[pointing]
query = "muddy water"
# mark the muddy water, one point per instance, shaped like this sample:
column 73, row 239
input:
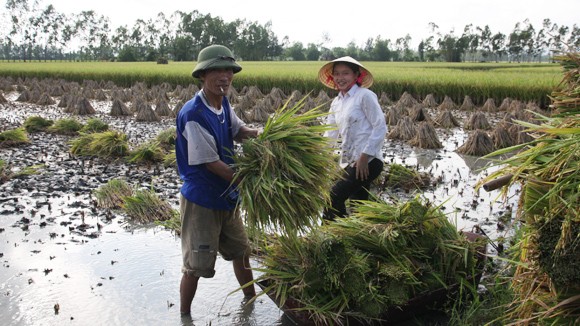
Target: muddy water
column 58, row 249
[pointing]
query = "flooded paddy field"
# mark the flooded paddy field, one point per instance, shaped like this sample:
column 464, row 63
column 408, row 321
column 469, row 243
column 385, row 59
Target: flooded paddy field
column 67, row 261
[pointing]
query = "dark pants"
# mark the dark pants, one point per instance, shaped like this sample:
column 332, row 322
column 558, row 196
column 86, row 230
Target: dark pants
column 351, row 188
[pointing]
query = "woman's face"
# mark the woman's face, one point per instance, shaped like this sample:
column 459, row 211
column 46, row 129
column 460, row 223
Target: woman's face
column 343, row 77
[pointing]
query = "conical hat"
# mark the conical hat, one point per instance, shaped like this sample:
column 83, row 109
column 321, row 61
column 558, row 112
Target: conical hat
column 325, row 73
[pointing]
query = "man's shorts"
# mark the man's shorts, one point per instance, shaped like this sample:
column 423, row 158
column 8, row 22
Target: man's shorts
column 205, row 232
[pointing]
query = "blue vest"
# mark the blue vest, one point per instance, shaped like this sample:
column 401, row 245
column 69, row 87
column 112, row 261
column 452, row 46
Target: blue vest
column 201, row 186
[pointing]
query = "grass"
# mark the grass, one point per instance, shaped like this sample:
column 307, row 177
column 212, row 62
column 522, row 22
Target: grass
column 145, row 207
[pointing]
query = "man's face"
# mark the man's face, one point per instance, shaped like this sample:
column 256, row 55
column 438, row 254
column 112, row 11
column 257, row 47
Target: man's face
column 217, row 81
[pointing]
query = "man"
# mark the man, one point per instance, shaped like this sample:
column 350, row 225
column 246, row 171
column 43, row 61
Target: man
column 210, row 223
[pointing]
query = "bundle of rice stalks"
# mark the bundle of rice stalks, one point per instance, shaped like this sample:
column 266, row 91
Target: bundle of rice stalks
column 146, row 207
column 429, row 101
column 446, row 119
column 260, row 112
column 94, row 125
column 519, row 133
column 501, row 137
column 505, row 104
column 425, row 137
column 404, row 130
column 83, row 107
column 162, row 109
column 254, row 93
column 398, row 176
column 517, row 106
column 407, row 100
column 272, row 103
column 45, row 99
column 170, row 159
column 477, row 144
column 489, row 106
column 418, row 113
column 66, row 126
column 546, row 281
column 100, row 95
column 467, row 104
column 323, row 98
column 394, row 114
column 56, row 91
column 166, row 138
column 3, row 100
column 276, row 92
column 146, row 114
column 246, row 103
column 13, row 138
column 358, row 268
column 65, row 100
column 148, row 152
column 385, row 100
column 178, row 107
column 36, row 124
column 113, row 193
column 286, row 173
column 24, row 96
column 447, row 104
column 477, row 120
column 109, row 144
column 119, row 109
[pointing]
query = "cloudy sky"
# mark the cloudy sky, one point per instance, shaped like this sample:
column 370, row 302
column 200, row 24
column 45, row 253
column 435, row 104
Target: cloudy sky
column 307, row 21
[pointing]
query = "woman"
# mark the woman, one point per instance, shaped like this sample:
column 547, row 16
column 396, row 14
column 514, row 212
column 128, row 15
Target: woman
column 361, row 131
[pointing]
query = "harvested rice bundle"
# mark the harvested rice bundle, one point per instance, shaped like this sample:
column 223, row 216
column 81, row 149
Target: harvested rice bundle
column 118, row 109
column 272, row 103
column 83, row 107
column 146, row 113
column 385, row 100
column 45, row 99
column 278, row 93
column 260, row 111
column 425, row 137
column 447, row 104
column 501, row 137
column 517, row 106
column 24, row 96
column 430, row 101
column 35, row 95
column 100, row 95
column 56, row 91
column 254, row 93
column 446, row 119
column 418, row 113
column 360, row 266
column 404, row 130
column 286, row 173
column 407, row 100
column 246, row 103
column 398, row 176
column 3, row 99
column 505, row 104
column 478, row 144
column 489, row 106
column 178, row 107
column 467, row 104
column 394, row 114
column 477, row 120
column 162, row 109
column 519, row 134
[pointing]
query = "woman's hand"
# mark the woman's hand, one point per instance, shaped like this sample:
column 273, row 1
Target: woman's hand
column 362, row 167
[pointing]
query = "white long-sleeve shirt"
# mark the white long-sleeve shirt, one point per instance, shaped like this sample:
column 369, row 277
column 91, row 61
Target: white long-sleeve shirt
column 360, row 124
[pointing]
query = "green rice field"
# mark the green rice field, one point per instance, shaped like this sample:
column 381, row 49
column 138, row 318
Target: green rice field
column 480, row 81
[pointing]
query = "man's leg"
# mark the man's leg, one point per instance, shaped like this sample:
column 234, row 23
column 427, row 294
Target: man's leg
column 187, row 290
column 244, row 274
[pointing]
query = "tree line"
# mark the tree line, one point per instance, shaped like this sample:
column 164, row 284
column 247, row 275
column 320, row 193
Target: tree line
column 30, row 31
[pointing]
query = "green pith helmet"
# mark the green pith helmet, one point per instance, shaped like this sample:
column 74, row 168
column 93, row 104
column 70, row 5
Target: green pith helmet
column 215, row 57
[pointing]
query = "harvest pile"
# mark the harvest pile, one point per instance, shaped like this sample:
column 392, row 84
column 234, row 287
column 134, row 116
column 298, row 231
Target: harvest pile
column 380, row 256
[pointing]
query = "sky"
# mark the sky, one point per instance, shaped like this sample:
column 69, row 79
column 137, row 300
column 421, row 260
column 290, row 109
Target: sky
column 307, row 21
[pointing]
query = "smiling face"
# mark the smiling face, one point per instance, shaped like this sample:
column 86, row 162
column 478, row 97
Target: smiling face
column 344, row 77
column 216, row 82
